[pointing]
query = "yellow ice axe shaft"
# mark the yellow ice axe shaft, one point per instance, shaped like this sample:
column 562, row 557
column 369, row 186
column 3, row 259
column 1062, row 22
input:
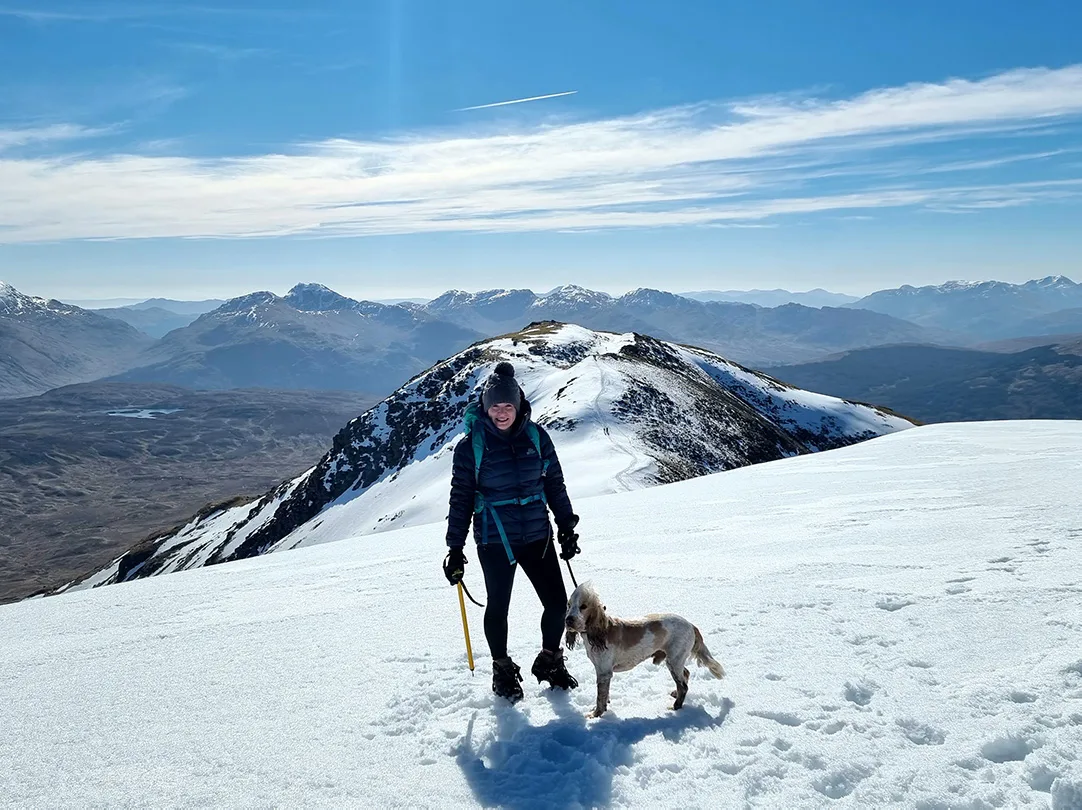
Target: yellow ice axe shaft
column 465, row 626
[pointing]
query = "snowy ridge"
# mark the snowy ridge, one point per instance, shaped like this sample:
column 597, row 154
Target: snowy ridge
column 899, row 621
column 625, row 411
column 13, row 302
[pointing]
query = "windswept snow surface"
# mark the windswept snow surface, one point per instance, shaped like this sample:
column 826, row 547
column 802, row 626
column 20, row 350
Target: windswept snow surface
column 901, row 622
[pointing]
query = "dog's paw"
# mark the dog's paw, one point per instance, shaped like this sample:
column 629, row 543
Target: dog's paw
column 593, row 714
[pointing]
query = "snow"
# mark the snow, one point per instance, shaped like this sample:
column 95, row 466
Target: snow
column 899, row 620
column 793, row 408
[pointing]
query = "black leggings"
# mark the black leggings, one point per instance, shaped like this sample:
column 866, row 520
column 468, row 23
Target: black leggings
column 540, row 563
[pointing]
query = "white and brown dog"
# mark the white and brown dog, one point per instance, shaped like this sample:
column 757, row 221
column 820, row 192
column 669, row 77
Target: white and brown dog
column 617, row 645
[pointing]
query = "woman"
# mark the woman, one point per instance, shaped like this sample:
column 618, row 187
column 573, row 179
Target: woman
column 505, row 478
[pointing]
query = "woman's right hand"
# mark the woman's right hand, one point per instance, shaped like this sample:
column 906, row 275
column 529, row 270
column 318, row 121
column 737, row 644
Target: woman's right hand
column 454, row 566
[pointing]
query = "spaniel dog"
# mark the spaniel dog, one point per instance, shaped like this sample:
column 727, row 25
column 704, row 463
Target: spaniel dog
column 617, row 645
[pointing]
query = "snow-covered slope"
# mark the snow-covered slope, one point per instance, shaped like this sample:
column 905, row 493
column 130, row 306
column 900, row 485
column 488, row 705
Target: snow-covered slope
column 900, row 622
column 625, row 411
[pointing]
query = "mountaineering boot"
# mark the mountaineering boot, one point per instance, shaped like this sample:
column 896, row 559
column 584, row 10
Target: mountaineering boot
column 550, row 667
column 506, row 679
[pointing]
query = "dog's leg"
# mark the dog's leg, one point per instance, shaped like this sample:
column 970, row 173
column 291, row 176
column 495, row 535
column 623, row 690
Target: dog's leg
column 681, row 683
column 603, row 681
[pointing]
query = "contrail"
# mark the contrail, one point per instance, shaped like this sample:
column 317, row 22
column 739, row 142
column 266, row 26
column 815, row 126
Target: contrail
column 517, row 101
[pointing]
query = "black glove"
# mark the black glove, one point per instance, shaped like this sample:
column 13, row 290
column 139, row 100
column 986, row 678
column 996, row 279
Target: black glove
column 569, row 540
column 454, row 567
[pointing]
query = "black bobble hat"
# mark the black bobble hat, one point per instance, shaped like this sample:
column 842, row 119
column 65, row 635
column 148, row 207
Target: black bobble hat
column 501, row 386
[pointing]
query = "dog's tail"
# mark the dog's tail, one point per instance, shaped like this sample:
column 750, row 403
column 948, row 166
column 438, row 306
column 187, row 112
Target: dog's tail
column 703, row 656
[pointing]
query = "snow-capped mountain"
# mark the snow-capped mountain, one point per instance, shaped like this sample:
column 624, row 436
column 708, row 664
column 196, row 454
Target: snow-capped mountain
column 746, row 333
column 626, row 411
column 988, row 310
column 311, row 338
column 45, row 344
column 899, row 622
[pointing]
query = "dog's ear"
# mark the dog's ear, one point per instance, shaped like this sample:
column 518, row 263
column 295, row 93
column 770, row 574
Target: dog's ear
column 597, row 626
column 570, row 638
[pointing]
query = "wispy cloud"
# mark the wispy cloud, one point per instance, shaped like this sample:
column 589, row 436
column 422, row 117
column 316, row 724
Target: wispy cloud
column 11, row 138
column 224, row 52
column 516, row 101
column 711, row 164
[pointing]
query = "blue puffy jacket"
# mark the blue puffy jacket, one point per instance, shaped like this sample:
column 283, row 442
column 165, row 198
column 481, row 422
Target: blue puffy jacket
column 510, row 469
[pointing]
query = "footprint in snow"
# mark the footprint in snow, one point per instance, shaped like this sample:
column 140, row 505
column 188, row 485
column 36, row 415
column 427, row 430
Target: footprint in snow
column 1009, row 749
column 920, row 733
column 892, row 603
column 860, row 692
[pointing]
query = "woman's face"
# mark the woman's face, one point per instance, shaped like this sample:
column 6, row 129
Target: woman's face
column 502, row 415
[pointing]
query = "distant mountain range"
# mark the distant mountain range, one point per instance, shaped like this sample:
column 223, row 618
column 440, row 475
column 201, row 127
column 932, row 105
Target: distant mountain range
column 153, row 321
column 746, row 333
column 159, row 316
column 311, row 338
column 986, row 310
column 181, row 307
column 315, row 338
column 626, row 411
column 938, row 384
column 775, row 298
column 46, row 344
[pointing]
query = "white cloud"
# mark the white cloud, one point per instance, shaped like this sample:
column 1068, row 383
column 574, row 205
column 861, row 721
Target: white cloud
column 706, row 164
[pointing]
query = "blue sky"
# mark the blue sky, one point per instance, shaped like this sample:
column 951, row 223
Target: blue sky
column 195, row 150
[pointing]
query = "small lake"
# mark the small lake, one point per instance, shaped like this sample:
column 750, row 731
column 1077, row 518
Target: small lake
column 142, row 413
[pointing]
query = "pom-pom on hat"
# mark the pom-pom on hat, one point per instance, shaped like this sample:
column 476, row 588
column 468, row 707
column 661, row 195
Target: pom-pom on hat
column 501, row 386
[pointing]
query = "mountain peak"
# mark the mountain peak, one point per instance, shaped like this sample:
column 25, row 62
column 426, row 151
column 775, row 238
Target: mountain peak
column 9, row 297
column 12, row 301
column 317, row 298
column 573, row 294
column 246, row 302
column 1051, row 282
column 650, row 297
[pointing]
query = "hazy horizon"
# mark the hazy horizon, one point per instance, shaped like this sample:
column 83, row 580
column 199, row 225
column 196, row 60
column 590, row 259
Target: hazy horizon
column 123, row 300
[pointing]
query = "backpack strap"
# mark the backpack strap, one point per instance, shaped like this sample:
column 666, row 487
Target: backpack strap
column 478, row 439
column 535, row 437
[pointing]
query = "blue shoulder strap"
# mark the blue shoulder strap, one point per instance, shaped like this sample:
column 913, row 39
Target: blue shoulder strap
column 473, row 413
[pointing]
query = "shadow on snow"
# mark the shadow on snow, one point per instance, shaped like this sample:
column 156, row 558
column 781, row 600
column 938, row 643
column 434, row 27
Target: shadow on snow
column 565, row 762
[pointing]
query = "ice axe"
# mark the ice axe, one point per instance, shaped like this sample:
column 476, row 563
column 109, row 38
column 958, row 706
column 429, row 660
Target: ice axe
column 465, row 625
